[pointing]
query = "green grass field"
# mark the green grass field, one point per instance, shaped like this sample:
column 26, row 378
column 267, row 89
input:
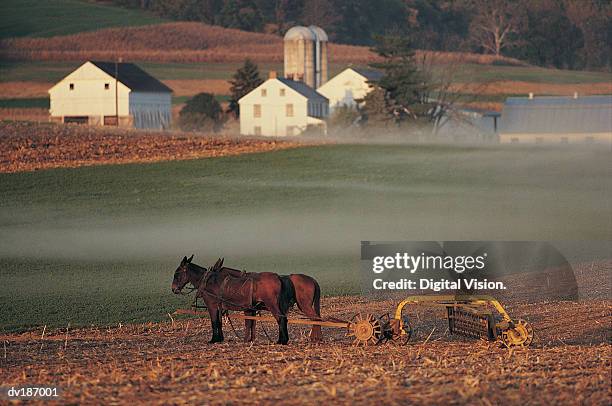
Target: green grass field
column 98, row 245
column 487, row 73
column 47, row 18
column 54, row 71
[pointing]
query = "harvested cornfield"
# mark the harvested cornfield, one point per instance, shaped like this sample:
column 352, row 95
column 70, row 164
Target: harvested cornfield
column 31, row 146
column 172, row 363
column 191, row 42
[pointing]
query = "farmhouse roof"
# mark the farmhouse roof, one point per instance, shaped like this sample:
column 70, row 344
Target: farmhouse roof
column 369, row 74
column 133, row 77
column 584, row 114
column 303, row 89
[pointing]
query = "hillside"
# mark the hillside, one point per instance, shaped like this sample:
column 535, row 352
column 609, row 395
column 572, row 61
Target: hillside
column 33, row 18
column 187, row 42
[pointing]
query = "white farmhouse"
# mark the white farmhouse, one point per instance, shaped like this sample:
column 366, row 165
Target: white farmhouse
column 349, row 85
column 282, row 107
column 109, row 93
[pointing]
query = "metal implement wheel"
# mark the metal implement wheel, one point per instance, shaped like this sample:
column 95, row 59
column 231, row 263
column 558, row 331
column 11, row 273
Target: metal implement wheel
column 407, row 328
column 366, row 329
column 521, row 335
column 402, row 332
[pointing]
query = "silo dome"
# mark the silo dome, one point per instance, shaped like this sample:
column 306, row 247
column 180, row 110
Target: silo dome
column 299, row 32
column 321, row 35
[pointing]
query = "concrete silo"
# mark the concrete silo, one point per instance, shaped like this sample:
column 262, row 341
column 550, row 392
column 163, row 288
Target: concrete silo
column 320, row 55
column 306, row 55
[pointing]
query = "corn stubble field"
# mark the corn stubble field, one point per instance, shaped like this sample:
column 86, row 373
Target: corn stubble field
column 28, row 146
column 171, row 362
column 190, row 42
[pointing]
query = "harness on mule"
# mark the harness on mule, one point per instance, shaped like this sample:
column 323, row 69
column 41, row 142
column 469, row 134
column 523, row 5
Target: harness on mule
column 243, row 280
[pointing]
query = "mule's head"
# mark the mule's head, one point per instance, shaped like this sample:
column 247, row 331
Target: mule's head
column 181, row 275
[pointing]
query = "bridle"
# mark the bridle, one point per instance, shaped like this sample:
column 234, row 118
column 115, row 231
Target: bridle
column 192, row 287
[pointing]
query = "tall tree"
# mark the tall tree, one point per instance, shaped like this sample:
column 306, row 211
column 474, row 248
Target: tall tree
column 410, row 91
column 401, row 79
column 244, row 80
column 495, row 24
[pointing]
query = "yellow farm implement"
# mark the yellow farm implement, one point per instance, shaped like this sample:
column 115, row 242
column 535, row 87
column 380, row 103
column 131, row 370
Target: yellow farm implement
column 468, row 315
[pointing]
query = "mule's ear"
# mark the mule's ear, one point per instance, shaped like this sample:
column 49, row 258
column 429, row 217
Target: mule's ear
column 221, row 264
column 190, row 258
column 184, row 260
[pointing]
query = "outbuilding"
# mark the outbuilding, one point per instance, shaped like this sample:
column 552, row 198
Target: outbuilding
column 111, row 94
column 348, row 86
column 282, row 107
column 555, row 120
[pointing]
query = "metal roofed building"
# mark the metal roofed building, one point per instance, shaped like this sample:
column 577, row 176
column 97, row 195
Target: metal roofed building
column 584, row 119
column 109, row 93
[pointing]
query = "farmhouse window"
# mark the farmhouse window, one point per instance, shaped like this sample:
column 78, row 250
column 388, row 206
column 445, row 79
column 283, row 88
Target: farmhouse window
column 71, row 86
column 257, row 110
column 289, row 110
column 257, row 130
column 264, row 92
column 76, row 119
column 110, row 120
column 281, row 92
column 106, row 86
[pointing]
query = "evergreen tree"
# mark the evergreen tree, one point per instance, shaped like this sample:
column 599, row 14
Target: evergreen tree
column 376, row 109
column 404, row 86
column 244, row 80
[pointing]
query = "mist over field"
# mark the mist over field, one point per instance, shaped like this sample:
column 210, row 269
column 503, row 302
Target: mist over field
column 112, row 236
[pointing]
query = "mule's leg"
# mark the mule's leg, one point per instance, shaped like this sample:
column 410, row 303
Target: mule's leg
column 215, row 320
column 309, row 302
column 283, row 331
column 249, row 326
column 281, row 319
column 315, row 332
column 219, row 326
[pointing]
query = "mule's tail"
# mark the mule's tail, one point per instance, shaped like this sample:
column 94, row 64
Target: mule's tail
column 287, row 295
column 316, row 298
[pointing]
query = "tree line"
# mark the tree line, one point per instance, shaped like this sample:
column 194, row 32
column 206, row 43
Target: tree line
column 566, row 34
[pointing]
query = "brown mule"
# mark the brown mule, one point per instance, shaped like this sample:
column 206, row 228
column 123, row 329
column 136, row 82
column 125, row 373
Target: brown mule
column 302, row 290
column 222, row 289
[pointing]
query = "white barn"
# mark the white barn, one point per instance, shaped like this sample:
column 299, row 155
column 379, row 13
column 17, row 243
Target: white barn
column 349, row 85
column 282, row 107
column 102, row 93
